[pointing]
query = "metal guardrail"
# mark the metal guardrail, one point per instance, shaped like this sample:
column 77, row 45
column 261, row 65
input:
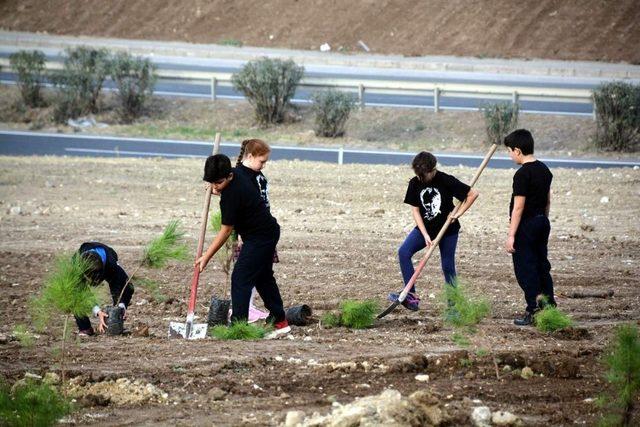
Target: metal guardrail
column 359, row 86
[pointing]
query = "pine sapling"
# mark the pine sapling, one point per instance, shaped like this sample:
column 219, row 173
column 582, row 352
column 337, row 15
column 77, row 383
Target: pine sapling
column 551, row 319
column 462, row 309
column 239, row 330
column 623, row 361
column 162, row 249
column 358, row 314
column 31, row 404
column 66, row 291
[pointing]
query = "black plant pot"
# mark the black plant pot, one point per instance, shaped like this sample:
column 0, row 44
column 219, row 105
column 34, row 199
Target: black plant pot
column 115, row 321
column 218, row 312
column 300, row 315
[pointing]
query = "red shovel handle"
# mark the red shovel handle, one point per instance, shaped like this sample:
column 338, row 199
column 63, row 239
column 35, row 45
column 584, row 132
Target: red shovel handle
column 194, row 289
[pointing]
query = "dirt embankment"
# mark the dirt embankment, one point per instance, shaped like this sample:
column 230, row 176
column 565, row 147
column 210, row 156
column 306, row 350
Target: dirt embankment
column 550, row 29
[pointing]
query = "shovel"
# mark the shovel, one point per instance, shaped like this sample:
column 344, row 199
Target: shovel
column 190, row 330
column 436, row 241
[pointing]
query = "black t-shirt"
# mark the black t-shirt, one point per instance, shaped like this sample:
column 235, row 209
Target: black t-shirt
column 243, row 208
column 533, row 181
column 259, row 180
column 435, row 200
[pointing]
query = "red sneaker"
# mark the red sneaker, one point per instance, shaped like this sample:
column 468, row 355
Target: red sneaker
column 281, row 328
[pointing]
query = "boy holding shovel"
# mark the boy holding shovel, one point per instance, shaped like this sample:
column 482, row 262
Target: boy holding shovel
column 529, row 225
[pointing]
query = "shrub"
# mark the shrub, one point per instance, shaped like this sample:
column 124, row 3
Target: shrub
column 332, row 109
column 24, row 336
column 623, row 361
column 29, row 65
column 463, row 309
column 239, row 331
column 80, row 82
column 500, row 119
column 269, row 85
column 358, row 314
column 551, row 319
column 134, row 78
column 617, row 106
column 31, row 404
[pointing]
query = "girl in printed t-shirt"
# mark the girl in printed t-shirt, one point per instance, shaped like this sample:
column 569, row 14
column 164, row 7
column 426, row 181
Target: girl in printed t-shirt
column 254, row 155
column 430, row 194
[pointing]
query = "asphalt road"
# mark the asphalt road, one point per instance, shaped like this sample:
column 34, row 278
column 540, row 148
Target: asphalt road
column 166, row 87
column 37, row 144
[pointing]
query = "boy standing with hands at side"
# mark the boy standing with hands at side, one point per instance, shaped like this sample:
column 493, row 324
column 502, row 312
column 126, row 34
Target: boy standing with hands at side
column 529, row 225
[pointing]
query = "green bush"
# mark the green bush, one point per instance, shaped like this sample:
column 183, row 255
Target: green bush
column 269, row 85
column 29, row 65
column 358, row 314
column 134, row 78
column 80, row 82
column 330, row 320
column 617, row 106
column 31, row 404
column 332, row 109
column 239, row 331
column 499, row 120
column 551, row 319
column 623, row 362
column 462, row 309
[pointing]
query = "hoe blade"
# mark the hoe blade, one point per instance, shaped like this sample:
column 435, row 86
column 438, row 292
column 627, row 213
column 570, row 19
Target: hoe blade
column 389, row 309
column 193, row 331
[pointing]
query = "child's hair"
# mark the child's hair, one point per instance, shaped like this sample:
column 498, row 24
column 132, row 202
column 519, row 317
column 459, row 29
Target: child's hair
column 94, row 267
column 216, row 167
column 423, row 163
column 255, row 147
column 520, row 138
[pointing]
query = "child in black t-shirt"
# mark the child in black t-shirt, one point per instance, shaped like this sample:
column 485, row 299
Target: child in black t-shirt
column 103, row 266
column 430, row 194
column 253, row 157
column 529, row 225
column 244, row 210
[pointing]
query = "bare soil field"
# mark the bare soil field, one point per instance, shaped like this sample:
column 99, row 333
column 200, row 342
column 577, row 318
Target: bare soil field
column 548, row 29
column 341, row 229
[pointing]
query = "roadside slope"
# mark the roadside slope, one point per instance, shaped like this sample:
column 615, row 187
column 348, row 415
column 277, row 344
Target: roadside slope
column 549, row 29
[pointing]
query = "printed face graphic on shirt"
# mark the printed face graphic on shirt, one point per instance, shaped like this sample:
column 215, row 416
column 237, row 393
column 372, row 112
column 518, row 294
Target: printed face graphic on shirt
column 431, row 202
column 264, row 189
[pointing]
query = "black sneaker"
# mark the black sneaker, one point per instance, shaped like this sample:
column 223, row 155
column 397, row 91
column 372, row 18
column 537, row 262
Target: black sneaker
column 524, row 321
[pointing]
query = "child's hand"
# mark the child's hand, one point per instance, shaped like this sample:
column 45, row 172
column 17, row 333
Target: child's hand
column 453, row 217
column 427, row 240
column 213, row 190
column 201, row 262
column 102, row 325
column 508, row 245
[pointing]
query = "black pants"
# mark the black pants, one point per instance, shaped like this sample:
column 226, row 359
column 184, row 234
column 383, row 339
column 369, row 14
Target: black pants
column 254, row 267
column 530, row 262
column 115, row 287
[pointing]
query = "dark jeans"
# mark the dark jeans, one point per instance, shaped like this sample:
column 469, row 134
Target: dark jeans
column 530, row 262
column 415, row 242
column 254, row 267
column 115, row 287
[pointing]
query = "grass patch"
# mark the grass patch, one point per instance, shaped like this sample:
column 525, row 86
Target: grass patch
column 31, row 404
column 460, row 339
column 24, row 336
column 551, row 319
column 358, row 314
column 463, row 310
column 239, row 331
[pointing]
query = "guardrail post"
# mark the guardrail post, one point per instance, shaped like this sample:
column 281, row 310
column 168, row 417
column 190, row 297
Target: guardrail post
column 515, row 97
column 361, row 95
column 214, row 83
column 595, row 113
column 341, row 155
column 436, row 100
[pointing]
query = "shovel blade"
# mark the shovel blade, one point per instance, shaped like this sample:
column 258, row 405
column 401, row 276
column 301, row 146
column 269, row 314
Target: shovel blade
column 180, row 330
column 389, row 309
